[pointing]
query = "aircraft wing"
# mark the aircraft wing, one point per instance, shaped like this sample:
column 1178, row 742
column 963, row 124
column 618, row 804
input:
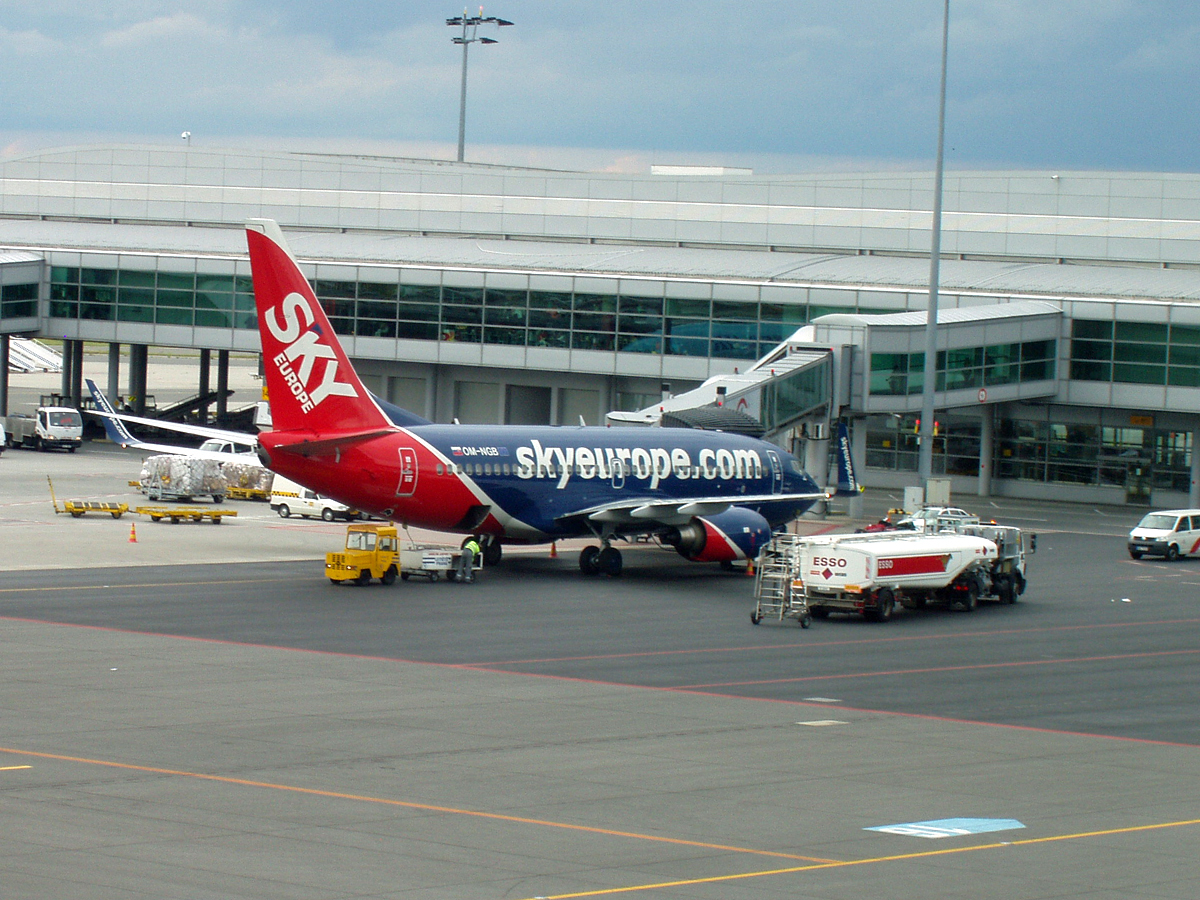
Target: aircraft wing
column 114, row 426
column 660, row 511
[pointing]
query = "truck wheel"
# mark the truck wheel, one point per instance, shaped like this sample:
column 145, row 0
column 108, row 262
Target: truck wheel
column 971, row 600
column 364, row 576
column 389, row 577
column 72, row 449
column 1172, row 552
column 1005, row 590
column 885, row 602
column 218, row 498
column 1136, row 554
column 327, row 514
column 284, row 512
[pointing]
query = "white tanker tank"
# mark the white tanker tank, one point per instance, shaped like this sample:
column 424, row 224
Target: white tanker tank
column 869, row 574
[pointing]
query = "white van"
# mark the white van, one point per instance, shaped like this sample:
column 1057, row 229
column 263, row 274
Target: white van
column 1169, row 533
column 289, row 498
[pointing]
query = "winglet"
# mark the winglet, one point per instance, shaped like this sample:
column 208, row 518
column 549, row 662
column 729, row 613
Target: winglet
column 311, row 385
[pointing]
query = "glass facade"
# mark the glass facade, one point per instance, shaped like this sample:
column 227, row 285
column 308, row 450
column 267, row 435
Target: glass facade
column 1039, row 450
column 164, row 298
column 18, row 301
column 625, row 321
column 1135, row 352
column 903, row 374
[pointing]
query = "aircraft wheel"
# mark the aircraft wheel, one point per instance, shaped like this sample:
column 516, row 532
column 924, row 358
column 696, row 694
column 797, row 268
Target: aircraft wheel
column 492, row 551
column 284, row 512
column 588, row 556
column 609, row 562
column 327, row 514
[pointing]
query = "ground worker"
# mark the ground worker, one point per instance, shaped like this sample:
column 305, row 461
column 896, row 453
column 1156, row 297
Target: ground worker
column 466, row 562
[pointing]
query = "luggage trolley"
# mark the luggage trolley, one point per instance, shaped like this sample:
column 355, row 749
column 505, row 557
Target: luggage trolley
column 773, row 592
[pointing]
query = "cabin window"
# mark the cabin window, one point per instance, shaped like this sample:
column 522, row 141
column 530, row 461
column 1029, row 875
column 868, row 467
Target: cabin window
column 440, row 470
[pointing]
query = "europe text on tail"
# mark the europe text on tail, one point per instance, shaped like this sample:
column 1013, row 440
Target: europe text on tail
column 713, row 496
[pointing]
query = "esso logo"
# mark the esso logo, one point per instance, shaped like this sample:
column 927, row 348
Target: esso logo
column 829, row 561
column 885, row 564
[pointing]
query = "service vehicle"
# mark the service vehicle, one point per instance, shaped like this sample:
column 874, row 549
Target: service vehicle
column 869, row 574
column 50, row 428
column 372, row 551
column 1169, row 533
column 289, row 498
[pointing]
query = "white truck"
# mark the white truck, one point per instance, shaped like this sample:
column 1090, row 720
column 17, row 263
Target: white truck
column 50, row 428
column 869, row 574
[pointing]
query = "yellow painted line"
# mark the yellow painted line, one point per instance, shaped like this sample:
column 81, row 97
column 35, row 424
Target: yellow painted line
column 717, row 879
column 407, row 804
column 164, row 584
column 13, row 768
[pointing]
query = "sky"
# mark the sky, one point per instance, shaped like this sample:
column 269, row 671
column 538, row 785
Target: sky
column 809, row 85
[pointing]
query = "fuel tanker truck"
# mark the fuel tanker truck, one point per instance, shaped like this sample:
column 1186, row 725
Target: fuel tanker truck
column 870, row 574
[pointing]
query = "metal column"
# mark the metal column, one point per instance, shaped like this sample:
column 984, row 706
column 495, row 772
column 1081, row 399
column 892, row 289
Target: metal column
column 1194, row 486
column 138, row 360
column 222, row 384
column 76, row 393
column 205, row 365
column 68, row 360
column 987, row 432
column 114, row 372
column 4, row 345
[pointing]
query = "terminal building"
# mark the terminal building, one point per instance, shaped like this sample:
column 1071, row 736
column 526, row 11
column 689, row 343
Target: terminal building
column 1069, row 324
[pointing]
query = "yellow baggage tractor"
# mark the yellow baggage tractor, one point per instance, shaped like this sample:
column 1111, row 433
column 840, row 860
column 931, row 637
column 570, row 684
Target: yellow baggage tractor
column 372, row 551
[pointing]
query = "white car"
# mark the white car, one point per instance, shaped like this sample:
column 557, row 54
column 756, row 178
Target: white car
column 1169, row 533
column 933, row 519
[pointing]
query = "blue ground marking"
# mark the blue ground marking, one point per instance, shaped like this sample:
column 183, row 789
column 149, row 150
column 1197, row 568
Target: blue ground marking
column 940, row 828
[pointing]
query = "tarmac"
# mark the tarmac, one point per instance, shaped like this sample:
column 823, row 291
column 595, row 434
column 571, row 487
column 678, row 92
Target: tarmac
column 201, row 714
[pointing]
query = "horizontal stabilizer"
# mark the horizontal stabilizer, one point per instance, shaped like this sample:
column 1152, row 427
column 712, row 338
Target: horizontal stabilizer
column 331, row 445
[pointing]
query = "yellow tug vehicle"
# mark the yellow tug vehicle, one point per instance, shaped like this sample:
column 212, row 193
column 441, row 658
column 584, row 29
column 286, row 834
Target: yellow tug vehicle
column 372, row 551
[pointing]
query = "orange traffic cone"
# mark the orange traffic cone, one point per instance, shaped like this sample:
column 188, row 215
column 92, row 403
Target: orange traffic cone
column 553, row 550
column 133, row 532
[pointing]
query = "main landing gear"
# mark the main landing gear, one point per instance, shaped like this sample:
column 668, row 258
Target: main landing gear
column 595, row 560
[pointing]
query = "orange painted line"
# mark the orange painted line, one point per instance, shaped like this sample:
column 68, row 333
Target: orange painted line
column 938, row 669
column 407, row 804
column 901, row 857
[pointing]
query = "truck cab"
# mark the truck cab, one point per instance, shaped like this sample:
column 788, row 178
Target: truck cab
column 51, row 427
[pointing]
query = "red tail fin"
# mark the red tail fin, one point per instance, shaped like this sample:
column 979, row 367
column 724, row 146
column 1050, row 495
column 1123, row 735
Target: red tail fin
column 311, row 385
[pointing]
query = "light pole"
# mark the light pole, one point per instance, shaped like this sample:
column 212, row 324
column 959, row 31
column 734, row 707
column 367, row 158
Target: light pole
column 470, row 25
column 925, row 451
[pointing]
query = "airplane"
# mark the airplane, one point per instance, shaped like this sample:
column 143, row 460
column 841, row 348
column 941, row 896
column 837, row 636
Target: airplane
column 221, row 445
column 713, row 496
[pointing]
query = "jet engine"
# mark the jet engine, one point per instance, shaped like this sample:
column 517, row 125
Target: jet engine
column 734, row 534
